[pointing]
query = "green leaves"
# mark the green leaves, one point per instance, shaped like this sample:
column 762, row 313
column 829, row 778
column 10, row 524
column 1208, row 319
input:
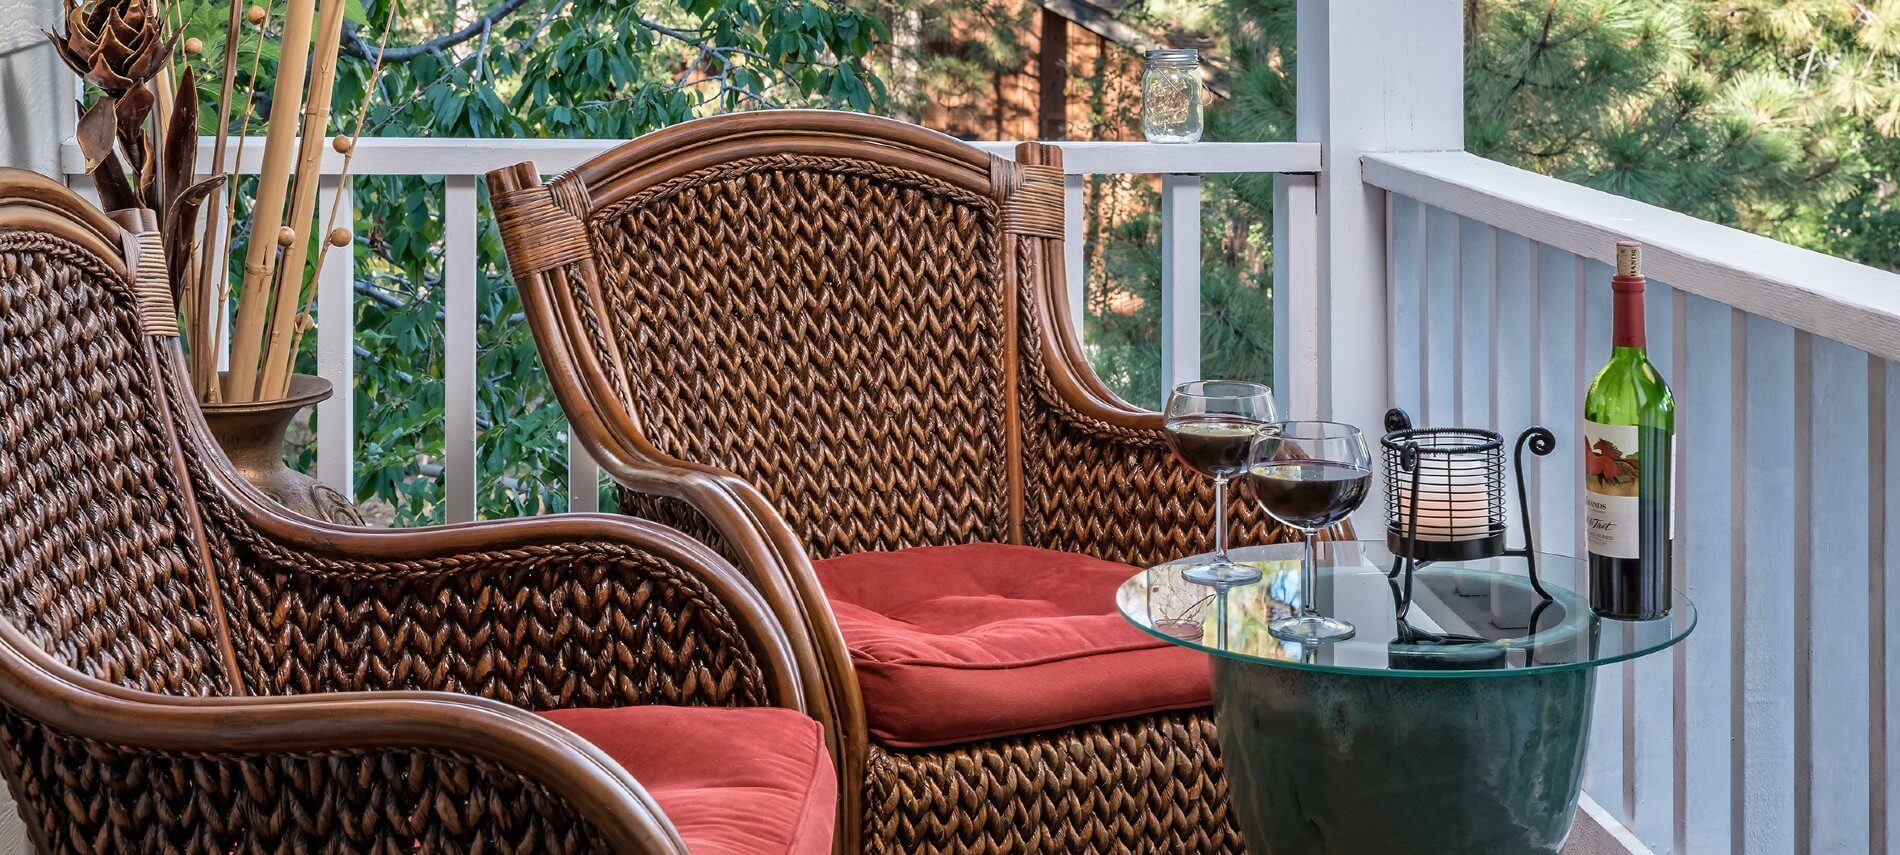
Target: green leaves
column 603, row 69
column 1753, row 113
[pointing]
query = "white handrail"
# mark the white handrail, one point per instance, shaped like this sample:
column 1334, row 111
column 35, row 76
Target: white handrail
column 1834, row 298
column 445, row 156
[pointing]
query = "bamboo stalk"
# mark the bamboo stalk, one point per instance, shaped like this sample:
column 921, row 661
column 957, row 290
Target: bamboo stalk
column 275, row 382
column 267, row 218
column 221, row 304
column 345, row 145
column 199, row 309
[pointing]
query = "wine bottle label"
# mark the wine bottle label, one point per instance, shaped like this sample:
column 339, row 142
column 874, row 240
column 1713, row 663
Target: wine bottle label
column 1611, row 484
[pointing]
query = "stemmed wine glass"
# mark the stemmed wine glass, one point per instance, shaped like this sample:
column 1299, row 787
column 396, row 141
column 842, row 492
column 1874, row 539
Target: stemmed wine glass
column 1210, row 425
column 1309, row 475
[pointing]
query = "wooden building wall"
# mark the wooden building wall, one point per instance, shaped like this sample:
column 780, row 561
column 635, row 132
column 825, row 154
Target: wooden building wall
column 1073, row 84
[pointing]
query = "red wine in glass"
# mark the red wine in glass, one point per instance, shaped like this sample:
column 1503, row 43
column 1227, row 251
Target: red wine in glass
column 1210, row 425
column 1309, row 494
column 1309, row 475
column 1214, row 446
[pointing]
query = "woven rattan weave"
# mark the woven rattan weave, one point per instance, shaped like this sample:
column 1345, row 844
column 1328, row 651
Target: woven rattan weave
column 1143, row 785
column 185, row 668
column 797, row 334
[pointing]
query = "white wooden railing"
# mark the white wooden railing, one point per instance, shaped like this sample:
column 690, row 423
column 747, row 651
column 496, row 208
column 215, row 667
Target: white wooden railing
column 1771, row 729
column 462, row 163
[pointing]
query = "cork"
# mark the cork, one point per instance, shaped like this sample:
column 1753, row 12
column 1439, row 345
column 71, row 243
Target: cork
column 1629, row 258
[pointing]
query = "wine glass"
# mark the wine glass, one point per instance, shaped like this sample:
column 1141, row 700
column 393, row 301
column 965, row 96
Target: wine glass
column 1210, row 425
column 1309, row 475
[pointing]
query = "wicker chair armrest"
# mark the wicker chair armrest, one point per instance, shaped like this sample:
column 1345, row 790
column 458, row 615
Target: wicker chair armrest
column 368, row 771
column 568, row 611
column 734, row 517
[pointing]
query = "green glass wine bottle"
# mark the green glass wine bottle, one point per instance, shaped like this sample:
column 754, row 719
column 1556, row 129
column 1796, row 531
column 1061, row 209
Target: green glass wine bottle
column 1629, row 433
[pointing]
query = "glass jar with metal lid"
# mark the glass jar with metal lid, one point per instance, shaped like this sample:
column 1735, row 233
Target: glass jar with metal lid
column 1171, row 95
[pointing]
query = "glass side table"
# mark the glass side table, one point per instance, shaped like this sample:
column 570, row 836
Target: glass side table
column 1460, row 728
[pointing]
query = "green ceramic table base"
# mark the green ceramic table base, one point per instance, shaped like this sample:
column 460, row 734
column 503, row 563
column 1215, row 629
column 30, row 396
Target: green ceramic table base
column 1351, row 765
column 1465, row 737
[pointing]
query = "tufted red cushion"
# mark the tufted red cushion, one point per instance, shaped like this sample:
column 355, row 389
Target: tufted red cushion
column 733, row 781
column 961, row 643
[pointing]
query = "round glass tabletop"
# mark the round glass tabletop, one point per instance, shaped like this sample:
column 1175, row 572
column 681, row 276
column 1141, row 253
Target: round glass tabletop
column 1467, row 619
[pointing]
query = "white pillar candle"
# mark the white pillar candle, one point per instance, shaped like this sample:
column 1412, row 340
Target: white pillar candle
column 1454, row 501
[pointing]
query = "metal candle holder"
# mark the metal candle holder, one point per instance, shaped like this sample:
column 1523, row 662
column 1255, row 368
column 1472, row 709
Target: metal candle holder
column 1444, row 497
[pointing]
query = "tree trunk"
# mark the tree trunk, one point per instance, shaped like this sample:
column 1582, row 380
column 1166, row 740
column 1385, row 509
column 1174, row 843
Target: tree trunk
column 907, row 48
column 1052, row 75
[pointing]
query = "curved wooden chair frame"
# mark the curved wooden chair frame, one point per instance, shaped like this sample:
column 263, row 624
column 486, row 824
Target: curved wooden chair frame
column 1121, row 497
column 296, row 751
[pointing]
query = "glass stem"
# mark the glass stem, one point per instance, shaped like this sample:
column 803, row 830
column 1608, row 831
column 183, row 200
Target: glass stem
column 1220, row 616
column 1309, row 575
column 1220, row 519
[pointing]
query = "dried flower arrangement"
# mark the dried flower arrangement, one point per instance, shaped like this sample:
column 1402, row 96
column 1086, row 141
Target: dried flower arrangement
column 138, row 139
column 140, row 142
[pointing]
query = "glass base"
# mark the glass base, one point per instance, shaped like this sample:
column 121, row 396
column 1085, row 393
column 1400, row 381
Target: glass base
column 1222, row 573
column 1310, row 629
column 1181, row 628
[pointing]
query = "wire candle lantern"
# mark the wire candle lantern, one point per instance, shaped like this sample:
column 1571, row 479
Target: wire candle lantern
column 1448, row 504
column 1444, row 496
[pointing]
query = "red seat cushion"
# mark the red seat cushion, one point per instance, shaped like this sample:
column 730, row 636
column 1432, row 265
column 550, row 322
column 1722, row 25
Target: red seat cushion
column 960, row 643
column 733, row 781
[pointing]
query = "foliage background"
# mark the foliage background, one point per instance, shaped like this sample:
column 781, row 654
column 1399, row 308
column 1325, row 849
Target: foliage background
column 1777, row 116
column 541, row 68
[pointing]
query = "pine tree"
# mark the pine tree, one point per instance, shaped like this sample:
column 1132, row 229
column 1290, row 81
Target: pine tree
column 1753, row 113
column 1781, row 117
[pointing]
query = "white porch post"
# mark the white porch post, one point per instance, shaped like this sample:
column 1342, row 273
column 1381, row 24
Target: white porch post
column 35, row 89
column 1373, row 75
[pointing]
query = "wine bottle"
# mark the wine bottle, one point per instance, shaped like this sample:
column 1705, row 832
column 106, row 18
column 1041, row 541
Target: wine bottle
column 1629, row 433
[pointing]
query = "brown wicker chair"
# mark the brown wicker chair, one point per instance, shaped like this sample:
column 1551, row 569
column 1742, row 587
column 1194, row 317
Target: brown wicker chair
column 184, row 668
column 772, row 329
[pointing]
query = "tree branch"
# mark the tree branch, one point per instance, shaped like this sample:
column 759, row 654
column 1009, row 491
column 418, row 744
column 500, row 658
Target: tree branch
column 356, row 46
column 697, row 40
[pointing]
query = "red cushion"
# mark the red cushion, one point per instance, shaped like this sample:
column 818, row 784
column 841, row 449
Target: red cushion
column 733, row 781
column 960, row 643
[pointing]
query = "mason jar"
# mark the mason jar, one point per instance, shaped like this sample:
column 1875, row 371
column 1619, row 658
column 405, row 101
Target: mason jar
column 1171, row 96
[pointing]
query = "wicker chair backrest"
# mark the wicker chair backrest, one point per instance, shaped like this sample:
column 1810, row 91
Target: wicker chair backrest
column 832, row 329
column 99, row 559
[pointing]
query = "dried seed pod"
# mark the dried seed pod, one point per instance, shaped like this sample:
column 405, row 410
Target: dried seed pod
column 255, row 15
column 114, row 46
column 286, row 236
column 342, row 143
column 340, row 236
column 194, row 46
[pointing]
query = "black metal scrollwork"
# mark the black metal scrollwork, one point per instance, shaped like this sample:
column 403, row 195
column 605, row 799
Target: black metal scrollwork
column 1541, row 442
